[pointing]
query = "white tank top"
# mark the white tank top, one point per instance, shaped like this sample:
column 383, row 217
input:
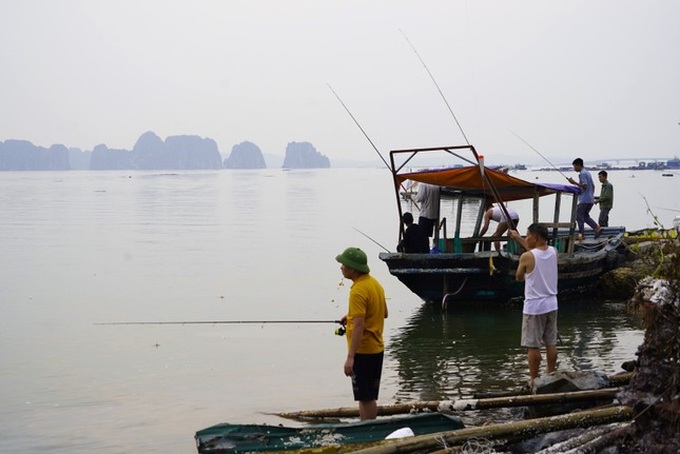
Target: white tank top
column 540, row 286
column 498, row 215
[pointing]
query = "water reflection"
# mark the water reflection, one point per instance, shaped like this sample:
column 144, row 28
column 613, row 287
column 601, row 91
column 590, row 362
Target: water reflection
column 439, row 356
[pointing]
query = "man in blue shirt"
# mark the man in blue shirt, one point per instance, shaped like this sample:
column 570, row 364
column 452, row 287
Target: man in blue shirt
column 585, row 200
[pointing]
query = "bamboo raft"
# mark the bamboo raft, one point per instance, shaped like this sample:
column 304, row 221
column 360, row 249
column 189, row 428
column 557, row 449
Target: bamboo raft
column 602, row 425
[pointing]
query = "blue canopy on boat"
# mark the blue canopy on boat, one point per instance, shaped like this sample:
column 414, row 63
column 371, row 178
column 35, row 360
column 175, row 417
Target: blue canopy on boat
column 570, row 188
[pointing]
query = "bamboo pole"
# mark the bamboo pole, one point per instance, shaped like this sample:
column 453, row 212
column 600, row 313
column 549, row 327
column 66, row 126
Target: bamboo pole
column 620, row 379
column 460, row 405
column 596, row 435
column 352, row 412
column 533, row 399
column 614, row 380
column 514, row 430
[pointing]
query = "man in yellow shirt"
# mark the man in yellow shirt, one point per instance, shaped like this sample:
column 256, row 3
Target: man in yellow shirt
column 365, row 321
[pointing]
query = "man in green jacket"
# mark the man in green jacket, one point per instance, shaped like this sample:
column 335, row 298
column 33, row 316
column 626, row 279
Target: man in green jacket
column 606, row 199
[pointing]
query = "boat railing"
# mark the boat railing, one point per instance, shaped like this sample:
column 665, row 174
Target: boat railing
column 561, row 237
column 468, row 245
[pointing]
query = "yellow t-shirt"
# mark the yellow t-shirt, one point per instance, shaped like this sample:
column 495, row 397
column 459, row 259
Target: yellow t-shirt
column 367, row 300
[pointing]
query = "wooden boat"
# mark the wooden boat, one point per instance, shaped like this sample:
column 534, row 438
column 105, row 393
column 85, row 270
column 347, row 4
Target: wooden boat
column 466, row 268
column 242, row 438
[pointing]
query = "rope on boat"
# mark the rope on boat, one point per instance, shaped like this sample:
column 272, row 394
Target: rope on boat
column 444, row 299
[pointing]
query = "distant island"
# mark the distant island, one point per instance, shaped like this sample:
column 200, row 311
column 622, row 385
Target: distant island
column 150, row 152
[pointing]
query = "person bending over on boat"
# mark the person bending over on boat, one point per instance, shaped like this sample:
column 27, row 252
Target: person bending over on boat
column 585, row 200
column 365, row 321
column 606, row 198
column 415, row 239
column 538, row 269
column 496, row 214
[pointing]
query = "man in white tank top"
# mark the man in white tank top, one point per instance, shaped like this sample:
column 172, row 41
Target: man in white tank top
column 496, row 214
column 538, row 269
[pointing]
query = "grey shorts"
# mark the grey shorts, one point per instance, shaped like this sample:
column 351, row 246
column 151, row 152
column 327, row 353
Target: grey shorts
column 539, row 329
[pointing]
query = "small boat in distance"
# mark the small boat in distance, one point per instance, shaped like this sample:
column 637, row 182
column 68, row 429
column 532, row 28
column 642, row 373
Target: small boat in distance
column 463, row 266
column 242, row 438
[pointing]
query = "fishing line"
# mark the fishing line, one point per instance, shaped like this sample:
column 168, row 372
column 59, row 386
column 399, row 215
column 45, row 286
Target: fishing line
column 539, row 153
column 668, row 209
column 436, row 85
column 386, row 250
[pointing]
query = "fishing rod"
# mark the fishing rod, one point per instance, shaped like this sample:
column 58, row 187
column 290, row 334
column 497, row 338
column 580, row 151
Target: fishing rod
column 376, row 150
column 360, row 128
column 539, row 153
column 436, row 85
column 494, row 191
column 479, row 159
column 221, row 322
column 386, row 250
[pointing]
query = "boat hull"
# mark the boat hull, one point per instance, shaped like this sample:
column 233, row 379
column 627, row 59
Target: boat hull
column 242, row 438
column 490, row 276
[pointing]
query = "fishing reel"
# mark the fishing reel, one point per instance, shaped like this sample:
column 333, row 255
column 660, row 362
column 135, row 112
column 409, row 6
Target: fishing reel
column 340, row 331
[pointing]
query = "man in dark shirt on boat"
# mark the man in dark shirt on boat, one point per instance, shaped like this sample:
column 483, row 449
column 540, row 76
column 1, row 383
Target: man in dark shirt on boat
column 605, row 200
column 365, row 321
column 415, row 239
column 538, row 269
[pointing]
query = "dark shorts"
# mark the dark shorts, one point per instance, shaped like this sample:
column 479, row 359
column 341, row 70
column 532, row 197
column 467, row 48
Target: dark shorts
column 427, row 224
column 367, row 372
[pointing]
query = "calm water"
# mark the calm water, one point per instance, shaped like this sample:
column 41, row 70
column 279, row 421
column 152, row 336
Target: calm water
column 85, row 247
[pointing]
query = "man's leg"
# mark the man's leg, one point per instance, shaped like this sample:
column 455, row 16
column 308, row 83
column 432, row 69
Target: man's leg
column 586, row 217
column 534, row 359
column 581, row 210
column 500, row 230
column 551, row 357
column 603, row 220
column 368, row 409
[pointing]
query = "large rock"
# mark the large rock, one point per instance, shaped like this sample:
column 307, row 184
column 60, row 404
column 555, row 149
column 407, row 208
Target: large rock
column 192, row 152
column 303, row 155
column 105, row 158
column 619, row 284
column 79, row 159
column 563, row 382
column 23, row 155
column 150, row 152
column 245, row 155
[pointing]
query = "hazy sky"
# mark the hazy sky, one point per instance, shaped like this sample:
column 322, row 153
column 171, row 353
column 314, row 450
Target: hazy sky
column 595, row 79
